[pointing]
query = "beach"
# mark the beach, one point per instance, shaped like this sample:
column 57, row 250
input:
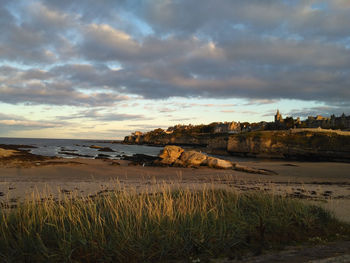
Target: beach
column 323, row 183
column 27, row 176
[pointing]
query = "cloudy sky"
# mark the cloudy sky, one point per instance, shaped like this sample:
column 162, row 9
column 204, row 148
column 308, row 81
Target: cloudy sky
column 101, row 69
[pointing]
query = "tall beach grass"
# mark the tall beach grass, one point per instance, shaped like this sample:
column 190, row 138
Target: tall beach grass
column 132, row 226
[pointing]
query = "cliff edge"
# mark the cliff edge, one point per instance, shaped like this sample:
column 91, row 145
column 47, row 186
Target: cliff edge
column 305, row 144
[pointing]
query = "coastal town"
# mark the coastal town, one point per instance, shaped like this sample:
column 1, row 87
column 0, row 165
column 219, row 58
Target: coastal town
column 333, row 122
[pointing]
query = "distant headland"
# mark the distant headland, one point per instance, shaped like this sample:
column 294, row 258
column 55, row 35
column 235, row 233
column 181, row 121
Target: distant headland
column 316, row 138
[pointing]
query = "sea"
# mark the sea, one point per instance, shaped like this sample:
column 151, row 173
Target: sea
column 73, row 148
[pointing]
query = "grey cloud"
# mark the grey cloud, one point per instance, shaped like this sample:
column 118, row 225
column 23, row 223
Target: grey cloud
column 36, row 86
column 14, row 122
column 326, row 111
column 260, row 102
column 261, row 50
column 35, row 35
column 56, row 94
column 102, row 42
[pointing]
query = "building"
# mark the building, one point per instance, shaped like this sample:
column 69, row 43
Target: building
column 342, row 122
column 278, row 117
column 227, row 127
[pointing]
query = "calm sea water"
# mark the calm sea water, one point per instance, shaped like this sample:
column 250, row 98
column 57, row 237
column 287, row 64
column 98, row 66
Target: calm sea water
column 53, row 147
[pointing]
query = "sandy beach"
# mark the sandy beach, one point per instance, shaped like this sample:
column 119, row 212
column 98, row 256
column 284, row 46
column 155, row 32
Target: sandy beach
column 323, row 183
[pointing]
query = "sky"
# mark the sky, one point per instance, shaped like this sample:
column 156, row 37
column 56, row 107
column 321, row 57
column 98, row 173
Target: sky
column 102, row 69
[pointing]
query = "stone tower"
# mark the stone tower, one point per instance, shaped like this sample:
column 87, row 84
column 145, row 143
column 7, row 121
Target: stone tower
column 278, row 117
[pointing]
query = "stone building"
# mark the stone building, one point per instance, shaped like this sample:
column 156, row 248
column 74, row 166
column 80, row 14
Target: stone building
column 318, row 121
column 227, row 127
column 278, row 117
column 342, row 122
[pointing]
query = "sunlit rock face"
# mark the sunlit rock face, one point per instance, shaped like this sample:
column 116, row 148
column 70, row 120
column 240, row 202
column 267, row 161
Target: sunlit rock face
column 300, row 144
column 176, row 156
column 170, row 154
column 218, row 163
column 193, row 158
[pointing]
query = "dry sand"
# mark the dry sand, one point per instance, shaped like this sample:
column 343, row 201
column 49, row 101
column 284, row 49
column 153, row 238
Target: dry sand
column 324, row 183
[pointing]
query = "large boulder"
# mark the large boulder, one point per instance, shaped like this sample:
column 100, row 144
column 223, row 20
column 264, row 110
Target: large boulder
column 218, row 163
column 170, row 154
column 193, row 158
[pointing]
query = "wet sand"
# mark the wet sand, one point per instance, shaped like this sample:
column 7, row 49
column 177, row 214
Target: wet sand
column 324, row 183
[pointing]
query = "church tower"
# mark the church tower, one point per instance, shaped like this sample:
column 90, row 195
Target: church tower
column 278, row 117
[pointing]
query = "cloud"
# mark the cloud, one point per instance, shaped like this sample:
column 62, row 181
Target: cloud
column 257, row 50
column 35, row 86
column 260, row 102
column 145, row 127
column 14, row 122
column 56, row 94
column 96, row 114
column 325, row 111
column 182, row 119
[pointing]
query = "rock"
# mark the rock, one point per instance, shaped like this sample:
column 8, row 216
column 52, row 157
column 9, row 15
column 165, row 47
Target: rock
column 247, row 169
column 140, row 159
column 193, row 158
column 170, row 154
column 218, row 163
column 176, row 156
column 303, row 144
column 95, row 147
column 68, row 150
column 105, row 149
column 102, row 156
column 7, row 153
column 179, row 163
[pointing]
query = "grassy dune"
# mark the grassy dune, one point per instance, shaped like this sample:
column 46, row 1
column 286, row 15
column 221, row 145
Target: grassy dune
column 127, row 226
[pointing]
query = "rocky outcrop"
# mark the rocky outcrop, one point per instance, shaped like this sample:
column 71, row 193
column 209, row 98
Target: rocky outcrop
column 252, row 170
column 105, row 149
column 305, row 145
column 176, row 156
column 141, row 159
column 15, row 156
column 196, row 159
column 182, row 139
column 95, row 147
column 193, row 158
column 170, row 154
column 7, row 153
column 218, row 163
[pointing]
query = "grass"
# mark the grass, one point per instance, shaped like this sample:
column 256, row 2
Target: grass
column 129, row 226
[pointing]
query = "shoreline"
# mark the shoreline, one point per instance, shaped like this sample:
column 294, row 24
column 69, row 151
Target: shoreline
column 323, row 183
